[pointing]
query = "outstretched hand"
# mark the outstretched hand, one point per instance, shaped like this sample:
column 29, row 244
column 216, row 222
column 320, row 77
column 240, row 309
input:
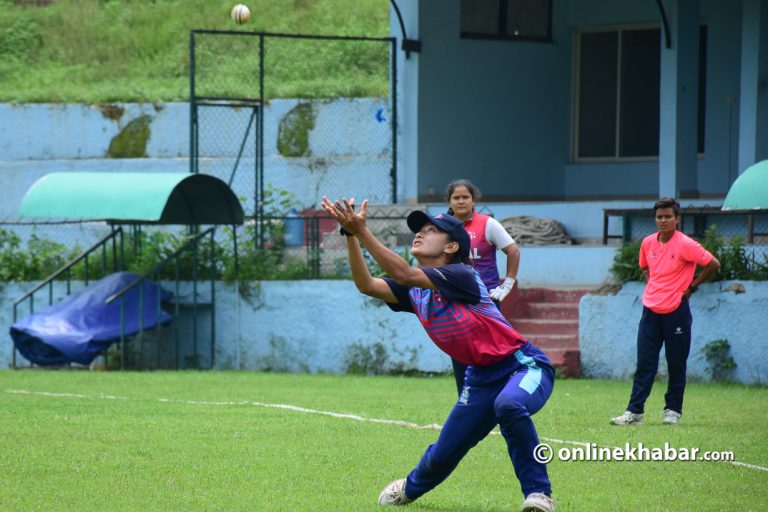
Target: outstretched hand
column 344, row 213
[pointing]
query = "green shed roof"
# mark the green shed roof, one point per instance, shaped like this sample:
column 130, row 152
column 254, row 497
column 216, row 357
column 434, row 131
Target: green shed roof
column 142, row 198
column 750, row 190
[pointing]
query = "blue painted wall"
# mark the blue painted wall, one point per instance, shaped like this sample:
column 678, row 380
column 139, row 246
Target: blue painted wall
column 499, row 112
column 349, row 147
column 608, row 331
column 263, row 326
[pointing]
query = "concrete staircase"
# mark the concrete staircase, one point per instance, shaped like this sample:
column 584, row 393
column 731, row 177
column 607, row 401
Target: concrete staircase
column 549, row 318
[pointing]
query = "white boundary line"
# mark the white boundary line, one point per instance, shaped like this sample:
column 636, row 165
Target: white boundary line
column 295, row 408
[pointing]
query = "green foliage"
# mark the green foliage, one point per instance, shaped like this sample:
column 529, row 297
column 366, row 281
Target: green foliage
column 718, row 356
column 626, row 263
column 258, row 263
column 19, row 40
column 735, row 262
column 261, row 253
column 100, row 51
column 39, row 259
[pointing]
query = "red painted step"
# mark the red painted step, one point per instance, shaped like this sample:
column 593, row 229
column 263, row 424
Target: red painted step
column 549, row 318
column 546, row 325
column 555, row 341
column 554, row 310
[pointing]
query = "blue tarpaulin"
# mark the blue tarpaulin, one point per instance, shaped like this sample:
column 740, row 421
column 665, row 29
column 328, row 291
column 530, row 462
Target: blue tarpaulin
column 82, row 325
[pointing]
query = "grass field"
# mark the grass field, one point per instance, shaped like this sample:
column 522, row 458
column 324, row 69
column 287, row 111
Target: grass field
column 211, row 441
column 94, row 51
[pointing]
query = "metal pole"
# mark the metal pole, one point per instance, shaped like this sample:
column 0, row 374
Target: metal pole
column 213, row 302
column 260, row 146
column 393, row 92
column 192, row 107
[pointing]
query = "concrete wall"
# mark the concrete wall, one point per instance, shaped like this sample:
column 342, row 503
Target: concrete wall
column 327, row 326
column 499, row 112
column 348, row 146
column 736, row 311
column 299, row 326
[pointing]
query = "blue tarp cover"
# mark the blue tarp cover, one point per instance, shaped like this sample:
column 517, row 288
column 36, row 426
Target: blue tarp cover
column 82, row 325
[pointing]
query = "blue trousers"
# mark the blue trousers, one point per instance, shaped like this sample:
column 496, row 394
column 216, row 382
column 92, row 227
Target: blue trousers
column 672, row 330
column 507, row 394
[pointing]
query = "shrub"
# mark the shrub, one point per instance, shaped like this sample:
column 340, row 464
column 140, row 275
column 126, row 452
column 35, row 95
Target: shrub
column 735, row 263
column 718, row 356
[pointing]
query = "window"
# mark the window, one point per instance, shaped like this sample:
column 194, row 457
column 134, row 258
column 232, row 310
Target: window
column 529, row 20
column 617, row 96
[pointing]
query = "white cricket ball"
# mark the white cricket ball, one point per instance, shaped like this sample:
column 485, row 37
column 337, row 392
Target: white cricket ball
column 241, row 14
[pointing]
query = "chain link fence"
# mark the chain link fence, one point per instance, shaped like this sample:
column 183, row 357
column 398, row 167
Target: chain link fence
column 306, row 245
column 334, row 134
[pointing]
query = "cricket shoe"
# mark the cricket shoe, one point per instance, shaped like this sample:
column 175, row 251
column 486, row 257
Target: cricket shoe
column 394, row 494
column 671, row 417
column 628, row 418
column 538, row 502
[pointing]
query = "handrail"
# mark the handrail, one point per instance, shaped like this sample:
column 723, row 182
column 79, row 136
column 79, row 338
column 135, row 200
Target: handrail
column 68, row 266
column 30, row 294
column 159, row 265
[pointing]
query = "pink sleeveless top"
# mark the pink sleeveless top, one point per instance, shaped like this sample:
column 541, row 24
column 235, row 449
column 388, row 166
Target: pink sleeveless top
column 481, row 251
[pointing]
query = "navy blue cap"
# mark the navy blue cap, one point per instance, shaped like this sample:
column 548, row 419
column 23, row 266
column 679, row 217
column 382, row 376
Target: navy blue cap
column 446, row 223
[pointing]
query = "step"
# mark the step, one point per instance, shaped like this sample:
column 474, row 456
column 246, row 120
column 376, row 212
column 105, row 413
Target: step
column 555, row 341
column 554, row 310
column 534, row 326
column 566, row 361
column 549, row 294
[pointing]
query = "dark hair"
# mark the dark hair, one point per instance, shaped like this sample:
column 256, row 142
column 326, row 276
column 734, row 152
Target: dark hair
column 472, row 188
column 457, row 256
column 667, row 202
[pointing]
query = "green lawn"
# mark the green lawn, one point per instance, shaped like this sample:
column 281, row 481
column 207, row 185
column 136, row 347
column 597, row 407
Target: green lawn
column 95, row 51
column 74, row 440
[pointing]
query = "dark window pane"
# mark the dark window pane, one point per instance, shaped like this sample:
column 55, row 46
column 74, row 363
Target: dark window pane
column 597, row 95
column 640, row 75
column 480, row 17
column 528, row 19
column 702, row 86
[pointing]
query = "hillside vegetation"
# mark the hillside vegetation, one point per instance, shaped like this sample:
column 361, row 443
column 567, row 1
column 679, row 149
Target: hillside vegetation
column 94, row 51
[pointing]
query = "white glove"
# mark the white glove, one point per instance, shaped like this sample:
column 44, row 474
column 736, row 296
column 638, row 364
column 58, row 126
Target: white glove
column 500, row 292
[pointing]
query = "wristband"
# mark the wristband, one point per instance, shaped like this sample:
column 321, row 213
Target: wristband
column 344, row 232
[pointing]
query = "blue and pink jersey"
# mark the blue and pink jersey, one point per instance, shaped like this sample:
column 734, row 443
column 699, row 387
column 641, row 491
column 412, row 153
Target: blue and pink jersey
column 459, row 315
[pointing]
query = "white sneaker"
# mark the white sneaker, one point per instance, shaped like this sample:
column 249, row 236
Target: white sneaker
column 628, row 418
column 394, row 494
column 538, row 502
column 671, row 417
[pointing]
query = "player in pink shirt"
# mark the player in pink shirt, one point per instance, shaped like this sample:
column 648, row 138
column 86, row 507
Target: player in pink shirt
column 487, row 236
column 668, row 260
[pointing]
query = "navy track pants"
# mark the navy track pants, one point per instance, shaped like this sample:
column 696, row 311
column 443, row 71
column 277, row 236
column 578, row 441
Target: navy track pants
column 507, row 394
column 672, row 330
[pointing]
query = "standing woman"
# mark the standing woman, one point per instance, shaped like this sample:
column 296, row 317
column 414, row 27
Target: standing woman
column 508, row 378
column 486, row 236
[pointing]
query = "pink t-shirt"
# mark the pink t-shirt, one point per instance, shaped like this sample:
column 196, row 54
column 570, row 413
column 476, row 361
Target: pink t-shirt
column 671, row 267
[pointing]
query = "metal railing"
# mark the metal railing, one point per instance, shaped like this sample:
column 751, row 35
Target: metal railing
column 155, row 273
column 117, row 264
column 750, row 225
